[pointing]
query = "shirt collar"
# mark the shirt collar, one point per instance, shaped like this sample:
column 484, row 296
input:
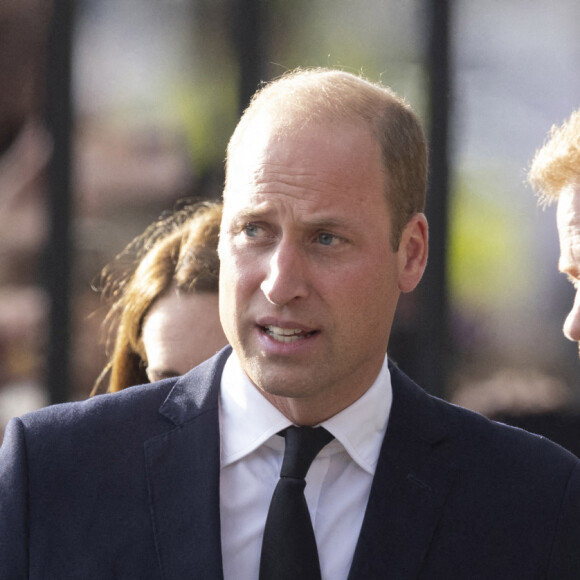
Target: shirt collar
column 248, row 419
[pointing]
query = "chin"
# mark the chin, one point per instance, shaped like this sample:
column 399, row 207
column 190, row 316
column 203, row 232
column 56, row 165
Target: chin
column 288, row 388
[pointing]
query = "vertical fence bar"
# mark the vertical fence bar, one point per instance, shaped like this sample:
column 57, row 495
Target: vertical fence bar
column 433, row 304
column 58, row 255
column 248, row 36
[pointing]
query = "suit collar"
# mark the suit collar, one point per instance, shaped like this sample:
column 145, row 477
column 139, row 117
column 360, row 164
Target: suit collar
column 409, row 490
column 183, row 476
column 197, row 391
column 407, row 497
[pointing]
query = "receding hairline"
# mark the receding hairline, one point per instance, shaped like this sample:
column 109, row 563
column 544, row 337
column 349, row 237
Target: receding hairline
column 327, row 96
column 304, row 97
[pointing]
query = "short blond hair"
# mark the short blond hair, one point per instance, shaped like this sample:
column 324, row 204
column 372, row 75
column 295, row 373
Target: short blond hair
column 305, row 96
column 557, row 163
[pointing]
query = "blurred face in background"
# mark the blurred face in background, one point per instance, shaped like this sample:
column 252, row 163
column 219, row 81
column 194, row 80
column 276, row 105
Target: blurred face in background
column 179, row 332
column 568, row 219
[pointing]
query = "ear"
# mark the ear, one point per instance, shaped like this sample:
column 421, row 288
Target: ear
column 413, row 251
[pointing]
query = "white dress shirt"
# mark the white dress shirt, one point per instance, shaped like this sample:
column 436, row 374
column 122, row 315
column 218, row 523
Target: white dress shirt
column 337, row 485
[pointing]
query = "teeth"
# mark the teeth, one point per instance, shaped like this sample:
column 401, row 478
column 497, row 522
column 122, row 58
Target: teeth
column 284, row 334
column 283, row 331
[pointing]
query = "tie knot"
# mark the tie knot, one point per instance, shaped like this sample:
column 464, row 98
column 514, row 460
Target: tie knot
column 302, row 445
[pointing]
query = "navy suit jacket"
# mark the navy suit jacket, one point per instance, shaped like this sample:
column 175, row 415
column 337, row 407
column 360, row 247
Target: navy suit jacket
column 127, row 486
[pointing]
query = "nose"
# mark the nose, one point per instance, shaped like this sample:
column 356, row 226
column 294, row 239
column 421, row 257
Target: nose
column 287, row 275
column 572, row 323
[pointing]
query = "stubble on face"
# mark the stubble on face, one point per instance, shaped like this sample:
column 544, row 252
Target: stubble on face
column 305, row 249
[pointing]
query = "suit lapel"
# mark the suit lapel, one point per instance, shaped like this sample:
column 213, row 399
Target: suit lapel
column 409, row 489
column 183, row 477
column 407, row 497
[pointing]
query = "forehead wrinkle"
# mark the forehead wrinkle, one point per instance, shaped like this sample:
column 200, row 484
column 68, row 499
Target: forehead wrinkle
column 305, row 220
column 278, row 178
column 267, row 201
column 310, row 221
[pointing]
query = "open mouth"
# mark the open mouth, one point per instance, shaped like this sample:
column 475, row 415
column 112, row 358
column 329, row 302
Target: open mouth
column 286, row 334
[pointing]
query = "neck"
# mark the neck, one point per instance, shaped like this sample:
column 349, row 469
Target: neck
column 309, row 411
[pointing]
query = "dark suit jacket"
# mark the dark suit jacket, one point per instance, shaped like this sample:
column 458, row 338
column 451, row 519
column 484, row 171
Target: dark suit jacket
column 562, row 427
column 127, row 486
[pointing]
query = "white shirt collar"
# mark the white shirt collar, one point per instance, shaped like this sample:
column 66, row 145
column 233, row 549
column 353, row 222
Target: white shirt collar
column 248, row 419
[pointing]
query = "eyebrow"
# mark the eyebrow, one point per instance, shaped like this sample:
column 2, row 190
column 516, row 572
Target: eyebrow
column 315, row 223
column 330, row 223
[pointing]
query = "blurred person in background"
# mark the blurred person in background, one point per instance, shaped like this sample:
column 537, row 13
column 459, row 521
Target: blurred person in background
column 530, row 400
column 164, row 319
column 555, row 175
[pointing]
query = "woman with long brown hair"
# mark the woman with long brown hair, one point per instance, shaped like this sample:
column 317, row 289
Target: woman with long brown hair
column 164, row 316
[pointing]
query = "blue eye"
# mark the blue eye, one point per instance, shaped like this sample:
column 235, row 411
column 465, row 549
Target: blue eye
column 251, row 230
column 326, row 239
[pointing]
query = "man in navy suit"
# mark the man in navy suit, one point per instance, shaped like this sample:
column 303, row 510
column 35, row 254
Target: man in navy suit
column 322, row 230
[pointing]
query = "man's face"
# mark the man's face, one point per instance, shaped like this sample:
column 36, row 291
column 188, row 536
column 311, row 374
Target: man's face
column 309, row 281
column 568, row 217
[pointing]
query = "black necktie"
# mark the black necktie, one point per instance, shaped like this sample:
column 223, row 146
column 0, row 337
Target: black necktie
column 289, row 549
